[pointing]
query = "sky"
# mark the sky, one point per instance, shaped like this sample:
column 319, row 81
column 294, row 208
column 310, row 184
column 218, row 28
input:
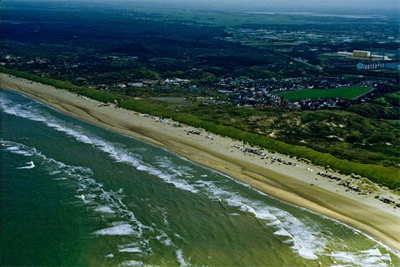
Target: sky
column 349, row 6
column 293, row 3
column 297, row 4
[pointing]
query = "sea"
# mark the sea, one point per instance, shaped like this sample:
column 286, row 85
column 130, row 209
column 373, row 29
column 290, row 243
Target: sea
column 74, row 194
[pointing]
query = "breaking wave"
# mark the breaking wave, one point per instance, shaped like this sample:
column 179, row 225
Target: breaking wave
column 305, row 240
column 93, row 193
column 87, row 186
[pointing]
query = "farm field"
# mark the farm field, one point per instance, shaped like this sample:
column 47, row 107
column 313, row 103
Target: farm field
column 342, row 92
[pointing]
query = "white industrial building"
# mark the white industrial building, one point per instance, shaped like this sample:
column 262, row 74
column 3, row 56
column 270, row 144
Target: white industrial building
column 360, row 54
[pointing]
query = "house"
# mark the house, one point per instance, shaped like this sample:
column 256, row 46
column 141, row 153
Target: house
column 121, row 85
column 136, row 84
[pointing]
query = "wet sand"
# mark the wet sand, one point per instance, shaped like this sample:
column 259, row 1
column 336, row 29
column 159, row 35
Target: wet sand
column 296, row 185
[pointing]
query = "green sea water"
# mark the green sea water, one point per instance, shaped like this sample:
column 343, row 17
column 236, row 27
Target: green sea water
column 73, row 194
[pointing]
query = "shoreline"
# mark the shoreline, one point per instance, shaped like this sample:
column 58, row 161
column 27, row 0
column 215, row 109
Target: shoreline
column 295, row 185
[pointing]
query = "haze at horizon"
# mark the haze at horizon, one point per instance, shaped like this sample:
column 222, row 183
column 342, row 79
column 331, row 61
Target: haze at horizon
column 338, row 6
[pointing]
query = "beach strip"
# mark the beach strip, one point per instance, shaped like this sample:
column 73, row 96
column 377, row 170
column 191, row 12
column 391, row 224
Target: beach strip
column 297, row 183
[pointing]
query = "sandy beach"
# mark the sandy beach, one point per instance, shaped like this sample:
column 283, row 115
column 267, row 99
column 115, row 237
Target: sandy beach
column 297, row 183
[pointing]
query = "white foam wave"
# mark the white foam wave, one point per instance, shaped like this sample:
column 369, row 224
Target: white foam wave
column 141, row 247
column 91, row 191
column 308, row 243
column 370, row 257
column 131, row 263
column 282, row 232
column 164, row 239
column 29, row 112
column 119, row 154
column 168, row 242
column 121, row 229
column 105, row 209
column 180, row 258
column 31, row 165
column 23, row 153
column 130, row 250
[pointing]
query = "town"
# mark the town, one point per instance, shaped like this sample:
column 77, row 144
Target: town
column 361, row 73
column 265, row 93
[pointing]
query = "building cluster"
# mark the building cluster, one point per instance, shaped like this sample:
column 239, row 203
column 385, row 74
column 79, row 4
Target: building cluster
column 316, row 104
column 364, row 60
column 273, row 84
column 279, row 36
column 261, row 93
column 153, row 82
column 255, row 98
column 375, row 65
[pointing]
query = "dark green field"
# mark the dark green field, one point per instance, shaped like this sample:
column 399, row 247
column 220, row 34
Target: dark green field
column 343, row 92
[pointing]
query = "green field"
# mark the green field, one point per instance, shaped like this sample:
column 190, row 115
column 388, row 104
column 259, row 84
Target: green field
column 342, row 92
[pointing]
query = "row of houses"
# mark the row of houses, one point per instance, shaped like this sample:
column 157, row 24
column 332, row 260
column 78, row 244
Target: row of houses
column 379, row 65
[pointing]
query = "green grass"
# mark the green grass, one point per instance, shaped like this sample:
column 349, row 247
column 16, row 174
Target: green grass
column 342, row 92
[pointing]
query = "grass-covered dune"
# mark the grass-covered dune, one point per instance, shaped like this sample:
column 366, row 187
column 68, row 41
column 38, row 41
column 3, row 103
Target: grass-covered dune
column 349, row 92
column 387, row 176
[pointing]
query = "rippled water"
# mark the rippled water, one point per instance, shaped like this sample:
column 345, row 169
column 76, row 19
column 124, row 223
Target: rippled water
column 75, row 194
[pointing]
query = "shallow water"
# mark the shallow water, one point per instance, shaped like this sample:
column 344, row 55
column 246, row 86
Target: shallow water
column 75, row 194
